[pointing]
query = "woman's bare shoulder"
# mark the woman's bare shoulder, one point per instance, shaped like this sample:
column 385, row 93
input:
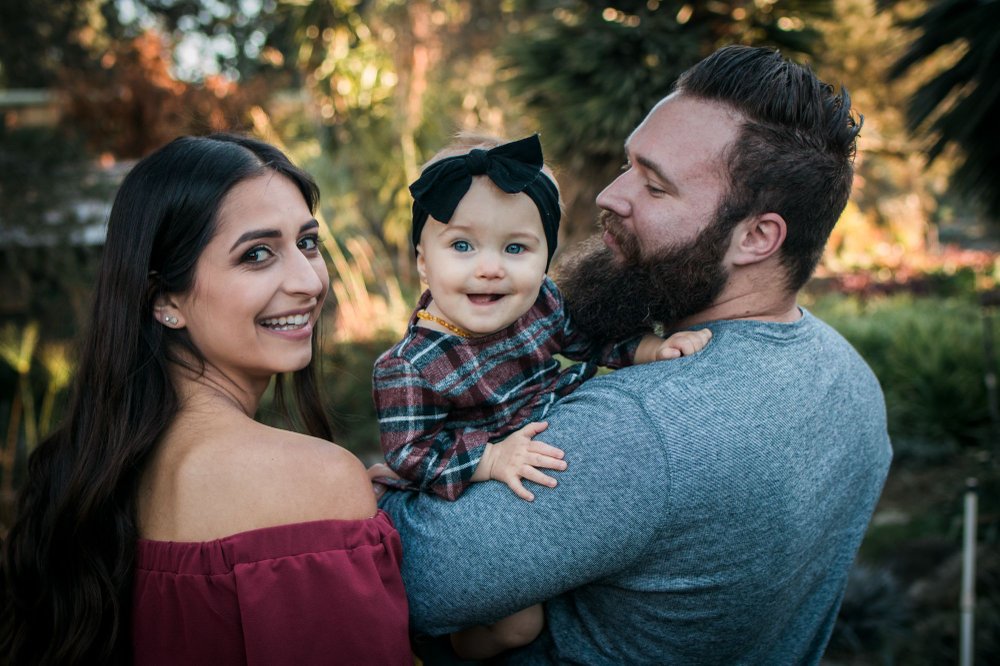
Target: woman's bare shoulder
column 255, row 477
column 318, row 479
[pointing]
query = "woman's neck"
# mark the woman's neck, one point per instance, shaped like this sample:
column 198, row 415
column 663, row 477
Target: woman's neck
column 211, row 391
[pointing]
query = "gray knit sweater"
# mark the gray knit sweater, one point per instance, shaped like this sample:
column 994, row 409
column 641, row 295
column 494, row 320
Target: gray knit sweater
column 712, row 508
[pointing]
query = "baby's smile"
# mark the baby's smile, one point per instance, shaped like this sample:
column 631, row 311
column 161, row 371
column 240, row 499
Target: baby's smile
column 484, row 299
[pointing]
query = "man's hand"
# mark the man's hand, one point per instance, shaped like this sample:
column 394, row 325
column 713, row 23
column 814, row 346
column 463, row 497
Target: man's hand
column 520, row 457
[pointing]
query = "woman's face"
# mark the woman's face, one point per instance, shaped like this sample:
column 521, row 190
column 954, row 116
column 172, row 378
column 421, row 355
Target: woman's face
column 259, row 285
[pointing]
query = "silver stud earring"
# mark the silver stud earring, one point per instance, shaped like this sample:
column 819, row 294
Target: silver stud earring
column 170, row 320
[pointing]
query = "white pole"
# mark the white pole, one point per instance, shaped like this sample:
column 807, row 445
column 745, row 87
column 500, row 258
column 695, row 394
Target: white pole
column 967, row 601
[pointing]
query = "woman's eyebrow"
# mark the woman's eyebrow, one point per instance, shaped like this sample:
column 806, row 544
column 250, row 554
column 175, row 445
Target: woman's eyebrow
column 270, row 233
column 254, row 235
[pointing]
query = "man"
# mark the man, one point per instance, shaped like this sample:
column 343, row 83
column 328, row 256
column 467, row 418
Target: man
column 713, row 505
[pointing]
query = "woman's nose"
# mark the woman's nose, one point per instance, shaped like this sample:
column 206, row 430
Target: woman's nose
column 305, row 276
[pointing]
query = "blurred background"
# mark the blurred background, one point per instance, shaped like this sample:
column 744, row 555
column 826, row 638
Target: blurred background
column 361, row 92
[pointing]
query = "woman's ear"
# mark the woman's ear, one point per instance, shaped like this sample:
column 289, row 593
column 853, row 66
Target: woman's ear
column 757, row 238
column 166, row 312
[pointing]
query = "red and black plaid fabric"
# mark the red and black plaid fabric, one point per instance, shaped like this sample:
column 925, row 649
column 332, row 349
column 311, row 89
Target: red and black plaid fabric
column 441, row 398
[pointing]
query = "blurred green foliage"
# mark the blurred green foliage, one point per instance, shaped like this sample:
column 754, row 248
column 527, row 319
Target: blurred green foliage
column 959, row 104
column 347, row 386
column 928, row 354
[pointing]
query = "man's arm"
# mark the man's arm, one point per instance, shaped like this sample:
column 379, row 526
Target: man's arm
column 489, row 554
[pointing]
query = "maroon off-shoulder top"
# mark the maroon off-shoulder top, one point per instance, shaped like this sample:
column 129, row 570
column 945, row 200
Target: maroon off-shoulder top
column 324, row 592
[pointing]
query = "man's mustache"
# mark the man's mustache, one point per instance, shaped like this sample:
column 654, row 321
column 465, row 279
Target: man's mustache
column 611, row 223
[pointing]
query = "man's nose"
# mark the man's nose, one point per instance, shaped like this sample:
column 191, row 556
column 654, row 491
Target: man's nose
column 613, row 197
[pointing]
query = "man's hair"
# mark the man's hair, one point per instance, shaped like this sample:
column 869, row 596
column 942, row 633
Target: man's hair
column 794, row 154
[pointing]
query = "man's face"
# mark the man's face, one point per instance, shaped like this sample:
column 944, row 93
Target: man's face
column 674, row 177
column 662, row 255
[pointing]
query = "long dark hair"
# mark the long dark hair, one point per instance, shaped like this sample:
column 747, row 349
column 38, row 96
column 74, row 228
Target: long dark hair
column 69, row 557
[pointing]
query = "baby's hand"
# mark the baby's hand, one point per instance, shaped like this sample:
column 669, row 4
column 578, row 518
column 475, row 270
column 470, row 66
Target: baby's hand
column 683, row 343
column 520, row 457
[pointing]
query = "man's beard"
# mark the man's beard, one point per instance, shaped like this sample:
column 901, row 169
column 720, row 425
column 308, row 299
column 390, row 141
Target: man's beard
column 611, row 299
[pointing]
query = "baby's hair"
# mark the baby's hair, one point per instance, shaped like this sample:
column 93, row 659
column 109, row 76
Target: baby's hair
column 462, row 143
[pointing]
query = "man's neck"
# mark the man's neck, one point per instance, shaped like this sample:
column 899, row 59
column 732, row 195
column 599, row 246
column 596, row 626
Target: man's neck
column 757, row 305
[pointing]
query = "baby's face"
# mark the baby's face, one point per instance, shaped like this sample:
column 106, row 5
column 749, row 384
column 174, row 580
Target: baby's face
column 485, row 267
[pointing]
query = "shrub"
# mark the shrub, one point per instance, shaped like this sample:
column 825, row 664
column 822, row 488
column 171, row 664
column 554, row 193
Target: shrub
column 928, row 354
column 347, row 389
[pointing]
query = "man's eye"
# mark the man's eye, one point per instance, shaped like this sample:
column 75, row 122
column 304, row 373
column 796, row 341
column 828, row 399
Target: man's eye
column 515, row 248
column 461, row 246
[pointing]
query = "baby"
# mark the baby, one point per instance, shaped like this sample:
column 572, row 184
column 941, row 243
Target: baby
column 461, row 397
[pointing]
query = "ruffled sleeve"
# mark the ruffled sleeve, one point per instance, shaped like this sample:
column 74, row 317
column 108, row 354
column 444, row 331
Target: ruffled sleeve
column 308, row 593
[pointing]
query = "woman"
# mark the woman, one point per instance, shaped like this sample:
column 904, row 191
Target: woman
column 161, row 523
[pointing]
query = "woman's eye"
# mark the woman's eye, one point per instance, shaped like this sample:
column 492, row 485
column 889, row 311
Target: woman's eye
column 461, row 246
column 309, row 243
column 257, row 255
column 515, row 248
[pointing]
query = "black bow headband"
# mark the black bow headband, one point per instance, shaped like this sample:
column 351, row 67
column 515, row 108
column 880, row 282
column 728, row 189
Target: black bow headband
column 514, row 167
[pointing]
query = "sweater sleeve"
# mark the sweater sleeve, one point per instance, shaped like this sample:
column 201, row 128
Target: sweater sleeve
column 514, row 553
column 413, row 428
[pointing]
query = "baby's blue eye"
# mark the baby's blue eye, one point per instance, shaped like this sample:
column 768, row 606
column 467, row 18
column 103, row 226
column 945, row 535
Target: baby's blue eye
column 515, row 248
column 461, row 246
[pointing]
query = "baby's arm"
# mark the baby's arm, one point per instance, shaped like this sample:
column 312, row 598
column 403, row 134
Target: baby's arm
column 683, row 343
column 520, row 457
column 415, row 435
column 485, row 641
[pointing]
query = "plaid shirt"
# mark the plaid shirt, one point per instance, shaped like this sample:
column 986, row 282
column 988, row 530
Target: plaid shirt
column 441, row 398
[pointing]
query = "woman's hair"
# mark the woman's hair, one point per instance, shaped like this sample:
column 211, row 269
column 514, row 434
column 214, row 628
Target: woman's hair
column 68, row 560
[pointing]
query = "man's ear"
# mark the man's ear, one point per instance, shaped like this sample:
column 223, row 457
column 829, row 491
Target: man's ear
column 757, row 238
column 166, row 310
column 421, row 265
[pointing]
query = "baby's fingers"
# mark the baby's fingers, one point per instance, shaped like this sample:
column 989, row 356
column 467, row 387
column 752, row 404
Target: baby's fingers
column 665, row 352
column 519, row 489
column 547, row 462
column 547, row 450
column 689, row 342
column 531, row 474
column 532, row 429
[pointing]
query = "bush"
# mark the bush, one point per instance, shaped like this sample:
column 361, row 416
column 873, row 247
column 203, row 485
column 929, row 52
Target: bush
column 928, row 354
column 347, row 389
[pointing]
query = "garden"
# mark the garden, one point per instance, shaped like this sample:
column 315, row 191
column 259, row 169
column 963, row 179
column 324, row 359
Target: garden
column 360, row 93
